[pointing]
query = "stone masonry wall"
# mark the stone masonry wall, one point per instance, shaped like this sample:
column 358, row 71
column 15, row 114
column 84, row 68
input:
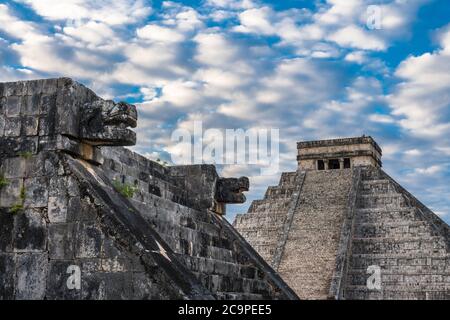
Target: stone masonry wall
column 264, row 222
column 403, row 238
column 198, row 237
column 309, row 257
column 309, row 253
column 57, row 224
column 60, row 207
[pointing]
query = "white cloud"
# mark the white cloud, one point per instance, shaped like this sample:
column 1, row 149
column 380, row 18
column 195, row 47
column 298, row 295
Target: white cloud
column 356, row 56
column 257, row 21
column 422, row 98
column 429, row 170
column 95, row 33
column 356, row 37
column 108, row 11
column 381, row 118
column 181, row 94
column 413, row 152
column 220, row 78
column 231, row 4
column 160, row 34
column 15, row 27
column 215, row 49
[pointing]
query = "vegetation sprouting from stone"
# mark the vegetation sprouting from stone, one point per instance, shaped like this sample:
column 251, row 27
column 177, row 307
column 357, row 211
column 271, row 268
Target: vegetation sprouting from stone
column 26, row 154
column 3, row 181
column 125, row 189
column 161, row 162
column 18, row 207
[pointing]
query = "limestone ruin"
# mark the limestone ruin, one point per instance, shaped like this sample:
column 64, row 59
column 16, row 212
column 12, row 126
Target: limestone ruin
column 326, row 227
column 81, row 217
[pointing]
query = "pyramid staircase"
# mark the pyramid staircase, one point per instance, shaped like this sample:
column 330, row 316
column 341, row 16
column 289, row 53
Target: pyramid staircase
column 321, row 230
column 393, row 230
column 266, row 218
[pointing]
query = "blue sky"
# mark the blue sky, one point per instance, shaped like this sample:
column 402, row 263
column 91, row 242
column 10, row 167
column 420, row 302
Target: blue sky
column 313, row 69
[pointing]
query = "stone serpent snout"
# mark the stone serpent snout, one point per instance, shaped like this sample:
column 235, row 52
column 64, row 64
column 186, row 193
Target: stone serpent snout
column 122, row 114
column 229, row 190
column 108, row 123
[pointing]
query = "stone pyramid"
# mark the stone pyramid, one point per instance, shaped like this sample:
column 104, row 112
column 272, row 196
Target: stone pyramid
column 339, row 224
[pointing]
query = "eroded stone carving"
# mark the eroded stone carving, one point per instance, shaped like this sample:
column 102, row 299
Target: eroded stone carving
column 107, row 123
column 229, row 190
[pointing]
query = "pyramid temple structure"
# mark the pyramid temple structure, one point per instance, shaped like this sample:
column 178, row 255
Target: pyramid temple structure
column 83, row 217
column 341, row 228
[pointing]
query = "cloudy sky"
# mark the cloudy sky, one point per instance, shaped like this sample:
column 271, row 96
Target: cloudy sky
column 313, row 69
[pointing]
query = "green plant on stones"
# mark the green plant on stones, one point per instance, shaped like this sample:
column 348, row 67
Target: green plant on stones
column 3, row 181
column 18, row 207
column 26, row 154
column 125, row 189
column 161, row 162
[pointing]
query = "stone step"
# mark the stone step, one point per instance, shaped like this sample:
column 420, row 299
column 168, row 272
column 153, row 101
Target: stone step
column 382, row 200
column 258, row 236
column 363, row 293
column 160, row 185
column 403, row 245
column 376, row 187
column 278, row 193
column 257, row 219
column 238, row 296
column 268, row 206
column 288, row 179
column 372, row 174
column 386, row 215
column 393, row 229
column 400, row 278
column 439, row 261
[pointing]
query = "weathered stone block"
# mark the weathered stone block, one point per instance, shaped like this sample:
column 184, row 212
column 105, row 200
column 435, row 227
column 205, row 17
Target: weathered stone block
column 88, row 240
column 31, row 285
column 12, row 127
column 10, row 194
column 2, row 124
column 93, row 286
column 36, row 192
column 14, row 88
column 58, row 276
column 30, row 105
column 118, row 286
column 72, row 186
column 57, row 209
column 143, row 287
column 74, row 212
column 6, row 230
column 61, row 241
column 14, row 167
column 30, row 126
column 13, row 104
column 30, row 232
column 33, row 88
column 7, row 275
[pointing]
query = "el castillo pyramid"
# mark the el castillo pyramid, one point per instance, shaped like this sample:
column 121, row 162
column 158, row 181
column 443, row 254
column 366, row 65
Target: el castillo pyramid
column 327, row 226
